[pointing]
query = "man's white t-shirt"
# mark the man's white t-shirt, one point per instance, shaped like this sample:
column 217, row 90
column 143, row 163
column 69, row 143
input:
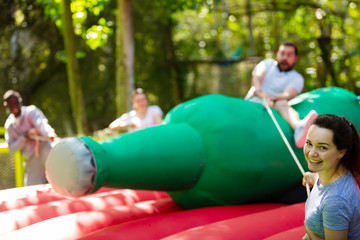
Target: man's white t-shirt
column 275, row 81
column 16, row 128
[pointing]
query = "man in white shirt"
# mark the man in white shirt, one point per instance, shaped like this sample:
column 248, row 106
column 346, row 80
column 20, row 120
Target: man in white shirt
column 27, row 130
column 277, row 82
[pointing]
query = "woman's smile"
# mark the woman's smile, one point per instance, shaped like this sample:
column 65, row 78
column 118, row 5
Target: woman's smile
column 315, row 162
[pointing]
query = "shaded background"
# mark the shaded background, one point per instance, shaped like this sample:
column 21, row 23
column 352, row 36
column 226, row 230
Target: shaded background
column 183, row 49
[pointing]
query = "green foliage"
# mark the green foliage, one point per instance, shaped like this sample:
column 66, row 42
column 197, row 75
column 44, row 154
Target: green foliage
column 84, row 13
column 165, row 8
column 183, row 49
column 97, row 35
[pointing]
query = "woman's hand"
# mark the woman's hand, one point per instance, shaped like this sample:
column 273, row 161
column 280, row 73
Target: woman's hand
column 310, row 179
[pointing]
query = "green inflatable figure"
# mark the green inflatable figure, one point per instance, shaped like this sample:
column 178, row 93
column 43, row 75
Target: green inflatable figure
column 212, row 150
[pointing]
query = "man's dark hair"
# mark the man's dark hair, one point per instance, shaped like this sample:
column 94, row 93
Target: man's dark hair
column 11, row 93
column 290, row 44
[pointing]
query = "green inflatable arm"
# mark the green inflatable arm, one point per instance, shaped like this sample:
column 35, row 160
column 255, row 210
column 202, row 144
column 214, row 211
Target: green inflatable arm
column 212, row 150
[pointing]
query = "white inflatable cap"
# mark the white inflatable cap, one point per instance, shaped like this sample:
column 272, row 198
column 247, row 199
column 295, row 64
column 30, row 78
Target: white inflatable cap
column 70, row 167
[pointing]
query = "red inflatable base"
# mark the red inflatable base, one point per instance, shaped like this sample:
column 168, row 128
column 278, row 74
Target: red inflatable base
column 38, row 212
column 295, row 233
column 253, row 226
column 167, row 224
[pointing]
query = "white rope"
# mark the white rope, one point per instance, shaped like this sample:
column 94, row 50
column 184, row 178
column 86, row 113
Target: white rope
column 250, row 93
column 286, row 143
column 37, row 139
column 40, row 138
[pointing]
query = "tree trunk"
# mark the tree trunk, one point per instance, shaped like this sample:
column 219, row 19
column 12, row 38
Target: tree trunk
column 276, row 27
column 252, row 47
column 325, row 46
column 72, row 66
column 125, row 79
column 177, row 82
column 224, row 47
column 348, row 68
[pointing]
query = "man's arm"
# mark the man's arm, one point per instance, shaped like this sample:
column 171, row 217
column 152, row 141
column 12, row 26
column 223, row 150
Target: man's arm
column 15, row 142
column 287, row 94
column 40, row 124
column 257, row 81
column 257, row 78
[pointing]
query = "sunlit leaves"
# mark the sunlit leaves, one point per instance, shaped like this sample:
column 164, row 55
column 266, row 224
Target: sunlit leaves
column 97, row 35
column 166, row 8
column 218, row 29
column 353, row 10
column 53, row 10
column 19, row 17
column 303, row 24
column 94, row 35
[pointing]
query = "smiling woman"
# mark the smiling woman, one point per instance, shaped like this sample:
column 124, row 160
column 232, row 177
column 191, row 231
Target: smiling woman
column 331, row 150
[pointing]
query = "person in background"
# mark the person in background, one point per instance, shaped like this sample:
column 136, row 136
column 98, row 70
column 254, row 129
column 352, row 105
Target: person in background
column 332, row 151
column 27, row 130
column 142, row 116
column 278, row 82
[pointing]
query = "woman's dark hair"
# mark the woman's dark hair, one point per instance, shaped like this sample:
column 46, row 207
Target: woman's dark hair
column 346, row 137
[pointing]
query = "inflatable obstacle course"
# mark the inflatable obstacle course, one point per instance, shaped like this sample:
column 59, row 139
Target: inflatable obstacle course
column 213, row 150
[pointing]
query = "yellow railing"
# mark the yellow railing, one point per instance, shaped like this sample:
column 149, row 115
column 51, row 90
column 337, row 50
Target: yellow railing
column 19, row 165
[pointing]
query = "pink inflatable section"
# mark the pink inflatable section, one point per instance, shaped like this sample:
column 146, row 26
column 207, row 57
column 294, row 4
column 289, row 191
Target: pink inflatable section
column 38, row 212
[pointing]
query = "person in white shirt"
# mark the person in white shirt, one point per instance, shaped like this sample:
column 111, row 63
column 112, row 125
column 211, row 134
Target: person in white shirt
column 278, row 82
column 142, row 116
column 27, row 130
